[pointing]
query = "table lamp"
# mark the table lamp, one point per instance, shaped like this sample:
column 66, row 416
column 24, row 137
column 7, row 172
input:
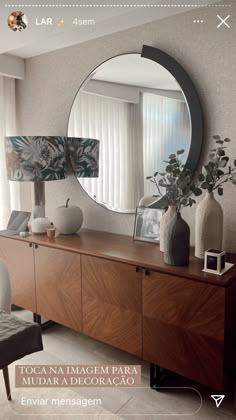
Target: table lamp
column 36, row 159
column 41, row 158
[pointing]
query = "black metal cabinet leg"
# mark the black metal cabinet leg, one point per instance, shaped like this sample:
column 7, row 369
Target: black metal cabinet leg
column 37, row 318
column 43, row 325
column 157, row 375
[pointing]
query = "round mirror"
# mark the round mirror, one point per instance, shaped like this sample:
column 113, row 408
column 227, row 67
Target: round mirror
column 141, row 108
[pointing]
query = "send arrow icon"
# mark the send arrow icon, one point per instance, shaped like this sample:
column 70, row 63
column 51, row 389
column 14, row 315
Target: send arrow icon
column 218, row 399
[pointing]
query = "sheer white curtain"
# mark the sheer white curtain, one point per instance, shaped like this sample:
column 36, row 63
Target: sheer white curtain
column 9, row 191
column 166, row 129
column 117, row 125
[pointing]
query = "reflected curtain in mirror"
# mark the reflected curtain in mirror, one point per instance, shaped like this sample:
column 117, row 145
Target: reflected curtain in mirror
column 166, row 129
column 118, row 126
column 134, row 137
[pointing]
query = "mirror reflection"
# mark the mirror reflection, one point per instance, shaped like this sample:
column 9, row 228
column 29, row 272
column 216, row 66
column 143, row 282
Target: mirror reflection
column 137, row 110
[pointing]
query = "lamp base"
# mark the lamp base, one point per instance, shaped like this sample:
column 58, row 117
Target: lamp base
column 39, row 200
column 38, row 211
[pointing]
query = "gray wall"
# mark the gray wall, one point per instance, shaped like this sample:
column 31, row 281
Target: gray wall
column 208, row 55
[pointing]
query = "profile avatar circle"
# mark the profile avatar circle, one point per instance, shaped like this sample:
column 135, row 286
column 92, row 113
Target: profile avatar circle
column 17, row 21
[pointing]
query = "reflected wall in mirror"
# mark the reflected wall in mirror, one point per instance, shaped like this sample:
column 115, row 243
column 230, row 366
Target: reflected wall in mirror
column 138, row 111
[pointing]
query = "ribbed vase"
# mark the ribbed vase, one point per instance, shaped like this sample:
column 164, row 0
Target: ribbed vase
column 208, row 225
column 165, row 219
column 178, row 242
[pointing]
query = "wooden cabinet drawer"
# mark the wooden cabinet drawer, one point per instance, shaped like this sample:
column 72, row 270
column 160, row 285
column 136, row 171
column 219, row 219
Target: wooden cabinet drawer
column 112, row 303
column 58, row 286
column 20, row 262
column 183, row 327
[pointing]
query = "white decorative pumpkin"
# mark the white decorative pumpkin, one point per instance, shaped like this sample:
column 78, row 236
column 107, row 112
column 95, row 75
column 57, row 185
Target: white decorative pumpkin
column 68, row 219
column 40, row 225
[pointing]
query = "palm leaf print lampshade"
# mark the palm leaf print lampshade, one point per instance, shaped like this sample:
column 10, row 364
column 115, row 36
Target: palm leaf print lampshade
column 35, row 158
column 84, row 156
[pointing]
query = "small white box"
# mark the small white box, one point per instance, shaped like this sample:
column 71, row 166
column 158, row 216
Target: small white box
column 214, row 261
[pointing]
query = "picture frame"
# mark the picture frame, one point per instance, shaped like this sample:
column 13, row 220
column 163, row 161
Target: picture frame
column 147, row 224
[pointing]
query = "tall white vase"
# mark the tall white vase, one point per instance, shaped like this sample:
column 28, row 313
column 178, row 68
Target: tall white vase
column 165, row 219
column 208, row 225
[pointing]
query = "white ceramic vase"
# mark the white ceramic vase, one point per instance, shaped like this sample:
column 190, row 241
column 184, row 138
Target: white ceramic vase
column 165, row 219
column 208, row 225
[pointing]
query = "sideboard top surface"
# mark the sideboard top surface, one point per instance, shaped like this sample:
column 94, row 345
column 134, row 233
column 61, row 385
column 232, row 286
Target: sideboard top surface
column 124, row 249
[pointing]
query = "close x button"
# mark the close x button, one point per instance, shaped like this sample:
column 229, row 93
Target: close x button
column 223, row 21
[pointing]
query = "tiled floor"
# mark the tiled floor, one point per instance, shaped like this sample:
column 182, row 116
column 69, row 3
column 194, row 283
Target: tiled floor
column 185, row 400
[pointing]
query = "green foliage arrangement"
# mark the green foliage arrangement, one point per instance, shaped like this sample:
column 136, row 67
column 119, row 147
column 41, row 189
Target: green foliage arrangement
column 177, row 181
column 180, row 184
column 218, row 171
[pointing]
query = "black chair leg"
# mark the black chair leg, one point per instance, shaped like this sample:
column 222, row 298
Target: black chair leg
column 7, row 382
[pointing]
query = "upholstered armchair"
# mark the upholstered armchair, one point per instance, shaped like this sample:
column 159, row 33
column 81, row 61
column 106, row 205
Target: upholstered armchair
column 17, row 337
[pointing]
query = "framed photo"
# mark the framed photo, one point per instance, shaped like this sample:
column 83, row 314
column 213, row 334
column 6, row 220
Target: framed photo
column 147, row 224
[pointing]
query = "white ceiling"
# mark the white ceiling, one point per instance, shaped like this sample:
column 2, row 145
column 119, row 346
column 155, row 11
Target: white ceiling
column 36, row 40
column 133, row 70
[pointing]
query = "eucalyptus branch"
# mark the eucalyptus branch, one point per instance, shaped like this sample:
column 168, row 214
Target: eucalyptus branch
column 180, row 184
column 177, row 181
column 221, row 183
column 158, row 188
column 218, row 170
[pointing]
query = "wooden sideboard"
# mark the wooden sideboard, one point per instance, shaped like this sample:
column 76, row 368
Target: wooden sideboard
column 119, row 291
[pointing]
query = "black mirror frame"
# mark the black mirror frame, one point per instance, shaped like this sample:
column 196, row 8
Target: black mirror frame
column 192, row 100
